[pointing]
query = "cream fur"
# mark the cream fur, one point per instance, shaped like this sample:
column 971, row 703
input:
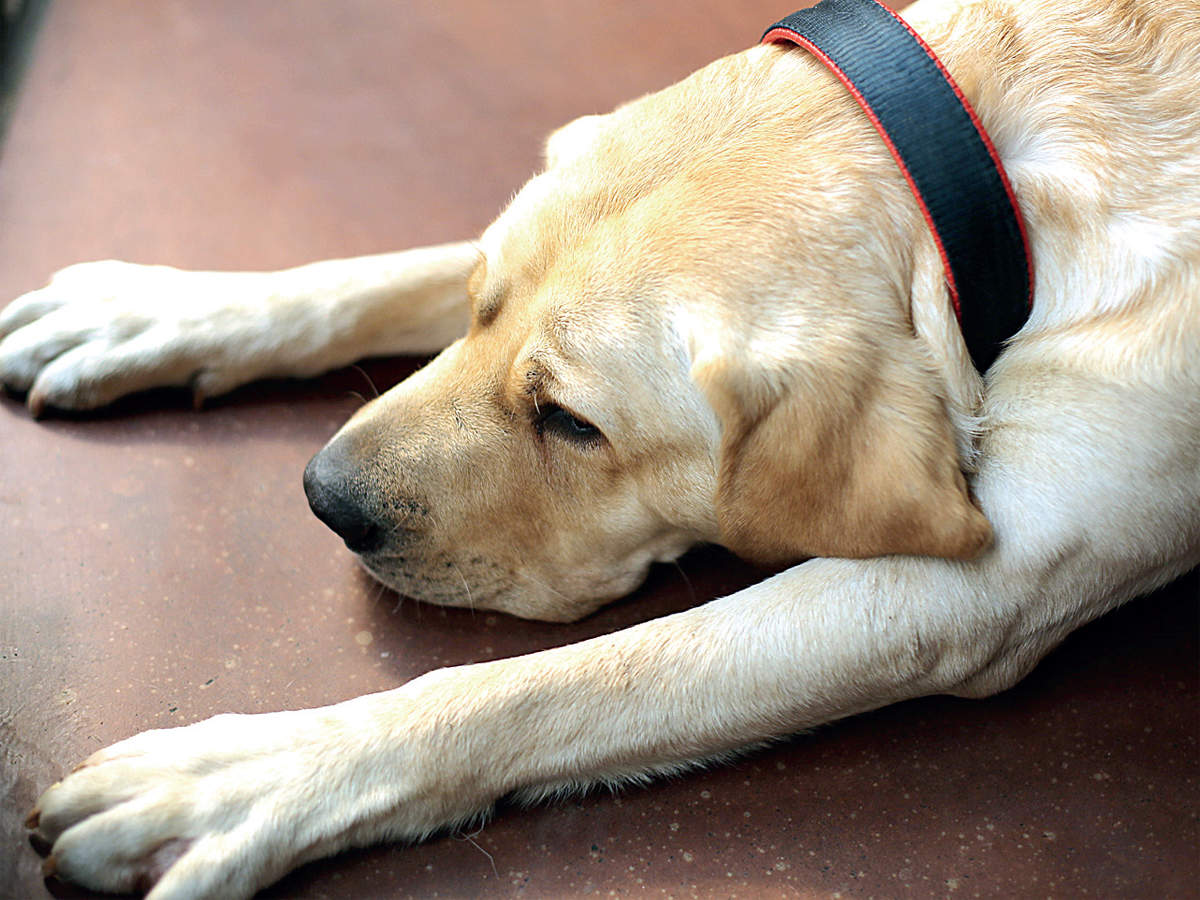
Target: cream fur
column 714, row 276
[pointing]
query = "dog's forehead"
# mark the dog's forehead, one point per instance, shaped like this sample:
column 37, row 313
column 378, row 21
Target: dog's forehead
column 513, row 242
column 557, row 263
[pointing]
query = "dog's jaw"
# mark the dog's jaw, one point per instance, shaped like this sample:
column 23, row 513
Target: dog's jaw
column 525, row 592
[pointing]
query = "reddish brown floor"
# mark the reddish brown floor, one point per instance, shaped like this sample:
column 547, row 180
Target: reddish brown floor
column 158, row 565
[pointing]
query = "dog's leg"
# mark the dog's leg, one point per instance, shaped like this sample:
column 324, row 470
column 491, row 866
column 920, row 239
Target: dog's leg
column 101, row 330
column 239, row 800
column 226, row 806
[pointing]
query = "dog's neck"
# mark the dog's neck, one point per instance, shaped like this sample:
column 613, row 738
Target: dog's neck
column 945, row 155
column 1101, row 246
column 1087, row 153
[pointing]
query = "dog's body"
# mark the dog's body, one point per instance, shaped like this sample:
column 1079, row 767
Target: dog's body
column 717, row 316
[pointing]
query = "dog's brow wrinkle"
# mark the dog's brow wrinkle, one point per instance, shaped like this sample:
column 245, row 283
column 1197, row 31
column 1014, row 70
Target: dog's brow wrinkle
column 486, row 299
column 488, row 309
column 535, row 378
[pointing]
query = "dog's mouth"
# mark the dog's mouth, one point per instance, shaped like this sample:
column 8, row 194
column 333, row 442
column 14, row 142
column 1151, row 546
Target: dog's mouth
column 441, row 581
column 401, row 555
column 476, row 583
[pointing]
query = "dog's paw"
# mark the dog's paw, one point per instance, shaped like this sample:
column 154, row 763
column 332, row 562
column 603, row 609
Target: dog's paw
column 101, row 330
column 217, row 809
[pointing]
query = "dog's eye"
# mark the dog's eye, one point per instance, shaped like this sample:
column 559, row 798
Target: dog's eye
column 558, row 421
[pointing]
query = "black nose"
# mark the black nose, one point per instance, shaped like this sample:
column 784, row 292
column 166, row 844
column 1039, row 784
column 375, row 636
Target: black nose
column 330, row 485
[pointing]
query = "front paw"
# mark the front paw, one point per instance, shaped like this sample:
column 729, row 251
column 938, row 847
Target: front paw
column 227, row 806
column 101, row 330
column 217, row 809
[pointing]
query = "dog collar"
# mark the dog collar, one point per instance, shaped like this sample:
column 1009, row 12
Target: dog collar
column 942, row 150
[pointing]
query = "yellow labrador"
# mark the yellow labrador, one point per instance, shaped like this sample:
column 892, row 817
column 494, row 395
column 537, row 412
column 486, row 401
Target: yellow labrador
column 717, row 315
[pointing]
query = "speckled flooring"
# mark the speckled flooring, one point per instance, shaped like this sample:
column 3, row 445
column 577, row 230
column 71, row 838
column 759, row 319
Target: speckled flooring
column 158, row 565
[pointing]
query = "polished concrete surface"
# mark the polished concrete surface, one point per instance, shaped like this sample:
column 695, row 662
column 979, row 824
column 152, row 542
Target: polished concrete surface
column 158, row 565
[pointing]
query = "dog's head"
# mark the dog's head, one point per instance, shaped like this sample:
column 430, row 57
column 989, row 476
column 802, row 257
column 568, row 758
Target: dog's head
column 712, row 318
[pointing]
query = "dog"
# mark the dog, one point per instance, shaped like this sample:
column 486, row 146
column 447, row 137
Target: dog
column 718, row 315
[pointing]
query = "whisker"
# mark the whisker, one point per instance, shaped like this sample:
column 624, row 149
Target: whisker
column 462, row 578
column 470, row 839
column 380, row 588
column 687, row 581
column 363, row 372
column 543, row 585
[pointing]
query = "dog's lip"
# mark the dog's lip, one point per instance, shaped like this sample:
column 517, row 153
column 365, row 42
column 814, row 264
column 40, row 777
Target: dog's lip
column 414, row 587
column 386, row 553
column 388, row 579
column 388, row 541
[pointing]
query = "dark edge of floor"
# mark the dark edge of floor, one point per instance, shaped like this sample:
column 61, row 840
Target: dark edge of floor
column 18, row 34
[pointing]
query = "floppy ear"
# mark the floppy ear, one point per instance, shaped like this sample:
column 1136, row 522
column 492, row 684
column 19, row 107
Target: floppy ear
column 849, row 454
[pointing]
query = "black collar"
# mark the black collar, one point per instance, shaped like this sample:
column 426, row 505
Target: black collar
column 944, row 153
